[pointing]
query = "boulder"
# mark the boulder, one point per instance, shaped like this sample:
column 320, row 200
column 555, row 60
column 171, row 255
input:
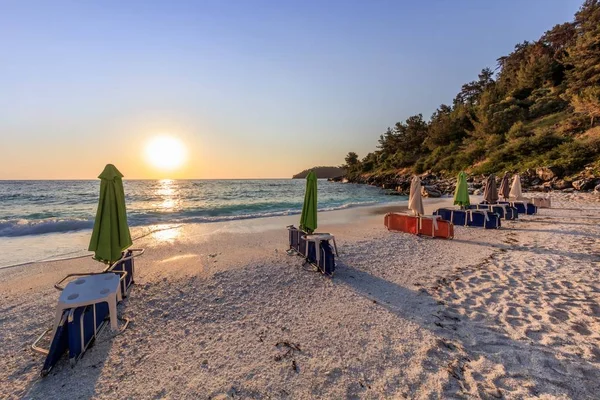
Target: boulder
column 546, row 173
column 561, row 184
column 477, row 192
column 430, row 191
column 539, row 188
column 584, row 184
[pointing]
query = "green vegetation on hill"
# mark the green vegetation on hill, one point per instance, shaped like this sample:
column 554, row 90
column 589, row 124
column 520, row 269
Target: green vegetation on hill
column 322, row 172
column 538, row 108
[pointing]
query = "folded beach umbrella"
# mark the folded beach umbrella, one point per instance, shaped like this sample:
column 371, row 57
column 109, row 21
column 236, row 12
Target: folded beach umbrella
column 461, row 194
column 111, row 234
column 415, row 201
column 308, row 219
column 515, row 189
column 490, row 193
column 505, row 186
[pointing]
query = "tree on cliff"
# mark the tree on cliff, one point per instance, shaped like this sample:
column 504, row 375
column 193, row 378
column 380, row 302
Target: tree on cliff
column 352, row 160
column 584, row 57
column 532, row 110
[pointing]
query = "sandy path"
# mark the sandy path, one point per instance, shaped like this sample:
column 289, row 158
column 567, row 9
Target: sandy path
column 513, row 313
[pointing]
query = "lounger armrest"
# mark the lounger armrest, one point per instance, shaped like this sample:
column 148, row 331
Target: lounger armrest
column 35, row 346
column 135, row 253
column 58, row 285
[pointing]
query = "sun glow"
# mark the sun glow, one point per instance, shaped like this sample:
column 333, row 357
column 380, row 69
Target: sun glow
column 165, row 153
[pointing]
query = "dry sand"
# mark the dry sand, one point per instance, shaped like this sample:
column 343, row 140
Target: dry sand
column 221, row 311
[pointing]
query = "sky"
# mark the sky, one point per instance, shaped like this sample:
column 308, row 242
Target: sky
column 253, row 89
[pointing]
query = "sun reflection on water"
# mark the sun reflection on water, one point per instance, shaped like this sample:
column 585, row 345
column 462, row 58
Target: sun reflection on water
column 169, row 195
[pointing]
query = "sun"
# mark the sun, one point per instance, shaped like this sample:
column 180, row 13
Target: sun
column 166, row 153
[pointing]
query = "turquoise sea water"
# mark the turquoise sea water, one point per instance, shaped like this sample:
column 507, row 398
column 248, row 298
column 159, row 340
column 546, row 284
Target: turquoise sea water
column 34, row 208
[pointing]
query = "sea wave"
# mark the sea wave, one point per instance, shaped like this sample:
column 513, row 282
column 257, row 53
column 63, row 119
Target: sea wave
column 22, row 227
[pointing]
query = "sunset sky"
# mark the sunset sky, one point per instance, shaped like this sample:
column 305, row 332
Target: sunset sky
column 252, row 89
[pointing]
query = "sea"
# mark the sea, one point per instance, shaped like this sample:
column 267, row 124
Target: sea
column 38, row 218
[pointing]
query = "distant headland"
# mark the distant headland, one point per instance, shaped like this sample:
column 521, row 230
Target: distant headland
column 322, row 172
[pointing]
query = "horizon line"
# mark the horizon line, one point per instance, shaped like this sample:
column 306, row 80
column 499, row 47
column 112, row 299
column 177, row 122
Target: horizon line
column 148, row 179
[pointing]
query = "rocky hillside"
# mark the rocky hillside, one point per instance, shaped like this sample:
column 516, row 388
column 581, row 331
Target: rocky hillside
column 322, row 172
column 542, row 179
column 536, row 112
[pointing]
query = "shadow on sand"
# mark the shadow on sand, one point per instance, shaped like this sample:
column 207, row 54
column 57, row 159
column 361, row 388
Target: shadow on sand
column 535, row 250
column 463, row 340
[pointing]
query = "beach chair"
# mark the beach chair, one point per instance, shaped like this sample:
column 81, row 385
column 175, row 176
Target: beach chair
column 325, row 260
column 401, row 223
column 523, row 207
column 126, row 264
column 483, row 219
column 294, row 238
column 505, row 211
column 530, row 208
column 433, row 226
column 74, row 334
column 84, row 308
column 457, row 217
column 316, row 249
column 474, row 218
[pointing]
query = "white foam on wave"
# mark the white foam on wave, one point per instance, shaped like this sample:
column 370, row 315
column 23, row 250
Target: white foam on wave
column 12, row 228
column 15, row 228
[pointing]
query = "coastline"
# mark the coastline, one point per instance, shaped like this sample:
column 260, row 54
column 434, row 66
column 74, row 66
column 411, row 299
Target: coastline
column 404, row 316
column 64, row 241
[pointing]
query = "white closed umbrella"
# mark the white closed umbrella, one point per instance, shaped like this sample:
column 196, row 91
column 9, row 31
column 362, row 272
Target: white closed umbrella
column 415, row 200
column 515, row 189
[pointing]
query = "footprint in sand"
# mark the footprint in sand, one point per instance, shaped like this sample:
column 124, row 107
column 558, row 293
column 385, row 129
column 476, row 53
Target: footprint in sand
column 512, row 311
column 595, row 309
column 567, row 284
column 559, row 315
column 536, row 335
column 582, row 328
column 515, row 322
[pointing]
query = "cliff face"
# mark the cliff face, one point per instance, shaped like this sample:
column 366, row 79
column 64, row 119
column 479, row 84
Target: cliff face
column 322, row 172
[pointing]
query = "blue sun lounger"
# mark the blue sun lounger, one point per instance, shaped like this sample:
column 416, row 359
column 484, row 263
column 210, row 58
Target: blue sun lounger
column 474, row 218
column 522, row 207
column 457, row 217
column 74, row 334
column 505, row 211
column 126, row 264
column 77, row 326
column 324, row 261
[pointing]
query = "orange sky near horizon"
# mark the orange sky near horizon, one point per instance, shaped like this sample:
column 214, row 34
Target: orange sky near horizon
column 211, row 159
column 212, row 153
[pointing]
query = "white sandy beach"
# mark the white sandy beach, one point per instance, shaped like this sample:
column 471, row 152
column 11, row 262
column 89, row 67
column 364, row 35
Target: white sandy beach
column 221, row 311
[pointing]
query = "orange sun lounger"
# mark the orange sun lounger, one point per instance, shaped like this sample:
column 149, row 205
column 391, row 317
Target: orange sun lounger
column 402, row 223
column 421, row 225
column 438, row 228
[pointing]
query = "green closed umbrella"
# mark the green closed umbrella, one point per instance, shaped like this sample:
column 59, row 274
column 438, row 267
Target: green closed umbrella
column 308, row 219
column 111, row 234
column 461, row 194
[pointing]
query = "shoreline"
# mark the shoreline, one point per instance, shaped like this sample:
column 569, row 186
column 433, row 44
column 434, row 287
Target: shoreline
column 144, row 230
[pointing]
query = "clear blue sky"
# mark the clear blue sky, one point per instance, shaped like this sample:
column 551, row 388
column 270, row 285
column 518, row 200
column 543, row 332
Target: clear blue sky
column 250, row 87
